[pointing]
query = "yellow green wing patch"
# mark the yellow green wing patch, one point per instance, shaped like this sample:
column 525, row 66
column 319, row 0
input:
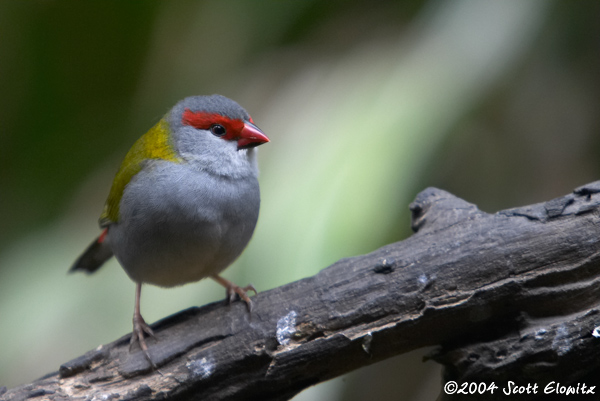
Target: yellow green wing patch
column 154, row 144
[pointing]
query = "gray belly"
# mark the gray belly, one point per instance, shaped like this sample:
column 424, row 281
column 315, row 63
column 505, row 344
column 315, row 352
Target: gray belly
column 179, row 225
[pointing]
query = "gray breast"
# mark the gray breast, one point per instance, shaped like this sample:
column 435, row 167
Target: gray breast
column 178, row 224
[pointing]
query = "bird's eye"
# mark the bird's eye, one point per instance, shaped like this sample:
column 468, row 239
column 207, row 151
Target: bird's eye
column 217, row 130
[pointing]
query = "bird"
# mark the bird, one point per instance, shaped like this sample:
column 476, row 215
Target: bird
column 184, row 203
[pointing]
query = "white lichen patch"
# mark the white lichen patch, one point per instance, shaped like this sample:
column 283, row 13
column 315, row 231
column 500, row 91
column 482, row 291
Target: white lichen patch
column 425, row 280
column 561, row 342
column 202, row 367
column 596, row 332
column 105, row 396
column 286, row 327
column 540, row 334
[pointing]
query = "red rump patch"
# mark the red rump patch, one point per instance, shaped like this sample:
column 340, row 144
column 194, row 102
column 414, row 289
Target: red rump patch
column 203, row 120
column 102, row 236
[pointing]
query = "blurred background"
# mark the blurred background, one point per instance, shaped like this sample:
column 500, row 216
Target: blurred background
column 366, row 104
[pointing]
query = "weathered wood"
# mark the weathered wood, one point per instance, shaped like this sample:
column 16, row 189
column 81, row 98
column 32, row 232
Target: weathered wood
column 508, row 296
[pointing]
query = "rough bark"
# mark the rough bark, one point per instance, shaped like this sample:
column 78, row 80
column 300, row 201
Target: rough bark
column 507, row 296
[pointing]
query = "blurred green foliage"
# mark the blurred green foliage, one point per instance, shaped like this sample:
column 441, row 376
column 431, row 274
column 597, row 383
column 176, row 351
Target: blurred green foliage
column 366, row 103
column 68, row 73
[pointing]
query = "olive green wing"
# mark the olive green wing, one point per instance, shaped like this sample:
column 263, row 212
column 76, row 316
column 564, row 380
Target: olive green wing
column 155, row 144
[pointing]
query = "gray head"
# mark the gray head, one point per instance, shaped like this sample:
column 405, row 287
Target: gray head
column 215, row 134
column 213, row 104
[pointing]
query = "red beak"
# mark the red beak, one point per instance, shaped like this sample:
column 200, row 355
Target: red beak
column 251, row 136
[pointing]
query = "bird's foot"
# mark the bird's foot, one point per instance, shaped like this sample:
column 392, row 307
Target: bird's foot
column 242, row 292
column 138, row 336
column 232, row 289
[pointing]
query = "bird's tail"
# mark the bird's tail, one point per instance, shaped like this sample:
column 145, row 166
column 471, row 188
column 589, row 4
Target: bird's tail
column 94, row 256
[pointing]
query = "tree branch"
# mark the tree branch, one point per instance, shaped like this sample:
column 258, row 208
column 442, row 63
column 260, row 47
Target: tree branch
column 508, row 296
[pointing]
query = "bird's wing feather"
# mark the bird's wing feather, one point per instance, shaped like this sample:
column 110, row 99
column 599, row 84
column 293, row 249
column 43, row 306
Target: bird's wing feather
column 155, row 144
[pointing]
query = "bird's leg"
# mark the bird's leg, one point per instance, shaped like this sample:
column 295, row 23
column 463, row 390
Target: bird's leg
column 233, row 289
column 140, row 327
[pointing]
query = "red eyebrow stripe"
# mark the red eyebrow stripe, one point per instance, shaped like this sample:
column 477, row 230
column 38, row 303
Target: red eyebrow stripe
column 203, row 120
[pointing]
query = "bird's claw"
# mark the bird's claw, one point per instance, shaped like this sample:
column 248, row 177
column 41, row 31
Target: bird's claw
column 232, row 289
column 138, row 336
column 242, row 292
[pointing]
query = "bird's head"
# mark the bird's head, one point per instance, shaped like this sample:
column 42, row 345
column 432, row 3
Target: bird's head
column 216, row 134
column 219, row 117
